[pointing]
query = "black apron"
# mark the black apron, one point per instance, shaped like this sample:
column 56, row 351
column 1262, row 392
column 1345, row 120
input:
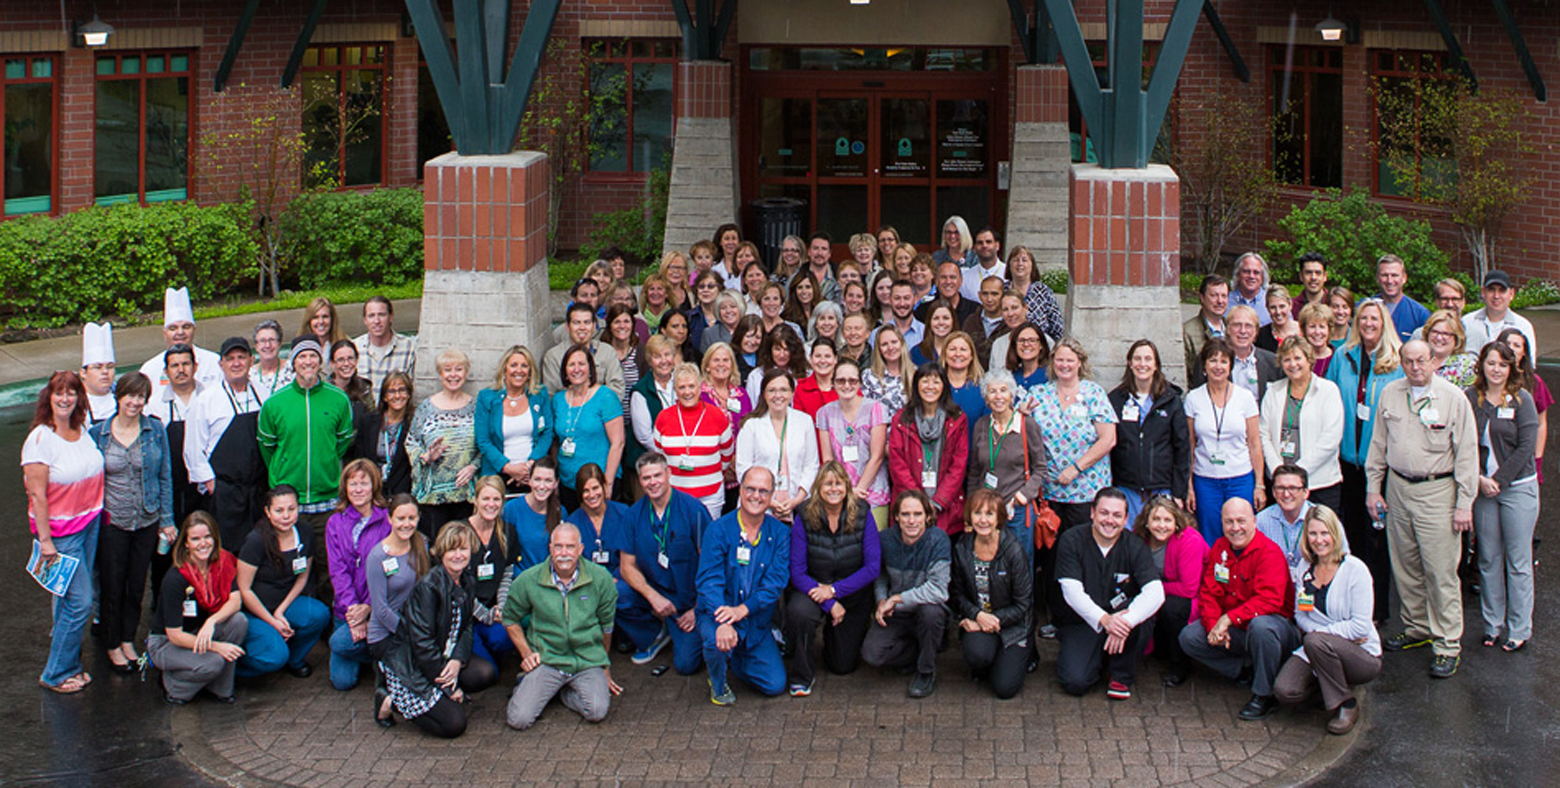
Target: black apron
column 240, row 476
column 185, row 497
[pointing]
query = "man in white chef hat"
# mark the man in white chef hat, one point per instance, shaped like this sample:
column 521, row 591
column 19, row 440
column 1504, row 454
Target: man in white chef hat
column 97, row 370
column 179, row 329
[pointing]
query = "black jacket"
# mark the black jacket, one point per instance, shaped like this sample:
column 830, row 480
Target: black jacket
column 416, row 651
column 366, row 445
column 1155, row 453
column 1012, row 585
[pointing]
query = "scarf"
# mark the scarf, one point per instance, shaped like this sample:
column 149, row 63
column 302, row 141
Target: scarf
column 212, row 593
column 931, row 429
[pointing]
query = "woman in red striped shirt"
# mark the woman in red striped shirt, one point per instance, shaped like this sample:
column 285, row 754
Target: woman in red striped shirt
column 696, row 438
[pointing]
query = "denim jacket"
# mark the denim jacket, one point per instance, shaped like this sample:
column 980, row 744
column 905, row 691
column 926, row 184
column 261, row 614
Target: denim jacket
column 156, row 487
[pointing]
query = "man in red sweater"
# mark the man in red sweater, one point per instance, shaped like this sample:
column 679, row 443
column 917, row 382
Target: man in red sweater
column 1245, row 609
column 696, row 438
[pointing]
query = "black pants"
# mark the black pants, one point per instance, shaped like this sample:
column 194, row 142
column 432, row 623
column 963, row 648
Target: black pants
column 1330, row 497
column 435, row 515
column 910, row 637
column 1168, row 623
column 123, row 560
column 568, row 497
column 841, row 642
column 1005, row 666
column 1083, row 655
column 1048, row 592
column 478, row 675
column 446, row 720
column 1365, row 540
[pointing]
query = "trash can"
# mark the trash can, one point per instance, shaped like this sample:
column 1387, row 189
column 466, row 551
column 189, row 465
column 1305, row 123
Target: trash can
column 774, row 218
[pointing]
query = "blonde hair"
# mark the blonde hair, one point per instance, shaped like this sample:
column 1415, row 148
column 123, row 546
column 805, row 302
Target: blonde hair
column 906, row 369
column 493, row 483
column 862, row 241
column 533, row 382
column 1329, row 518
column 687, row 369
column 704, row 364
column 318, row 304
column 1449, row 317
column 1085, row 372
column 977, row 371
column 1391, row 344
column 1313, row 313
column 452, row 356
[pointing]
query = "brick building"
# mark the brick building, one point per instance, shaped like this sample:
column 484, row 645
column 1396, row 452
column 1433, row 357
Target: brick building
column 893, row 111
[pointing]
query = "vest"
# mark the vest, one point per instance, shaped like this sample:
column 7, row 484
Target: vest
column 833, row 556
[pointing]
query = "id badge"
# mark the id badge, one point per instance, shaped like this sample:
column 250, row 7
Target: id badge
column 1362, row 411
column 566, row 448
column 299, row 565
column 1505, row 413
column 189, row 610
column 733, row 404
column 1430, row 417
column 1213, row 457
column 744, row 554
column 601, row 557
column 391, row 566
column 1117, row 601
column 666, row 563
column 991, row 481
column 1077, row 410
column 1305, row 603
column 782, row 483
column 1287, row 448
column 684, row 463
column 929, row 479
column 1129, row 412
column 484, row 571
column 850, row 454
column 1221, row 573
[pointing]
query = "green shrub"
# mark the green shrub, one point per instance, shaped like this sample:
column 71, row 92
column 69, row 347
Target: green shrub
column 97, row 262
column 1353, row 231
column 1056, row 279
column 638, row 230
column 1537, row 292
column 348, row 236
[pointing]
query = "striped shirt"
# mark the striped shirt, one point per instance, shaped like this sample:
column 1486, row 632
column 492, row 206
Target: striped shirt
column 698, row 444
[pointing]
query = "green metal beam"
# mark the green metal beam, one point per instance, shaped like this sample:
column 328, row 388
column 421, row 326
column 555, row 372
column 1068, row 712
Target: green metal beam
column 1167, row 70
column 704, row 29
column 428, row 21
column 523, row 69
column 1453, row 48
column 1124, row 136
column 1241, row 72
column 1520, row 45
column 728, row 10
column 295, row 59
column 1080, row 67
column 234, row 44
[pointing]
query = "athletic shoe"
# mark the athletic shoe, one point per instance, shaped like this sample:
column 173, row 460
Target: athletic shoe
column 1118, row 691
column 800, row 690
column 923, row 685
column 724, row 697
column 648, row 653
column 1444, row 666
column 1403, row 641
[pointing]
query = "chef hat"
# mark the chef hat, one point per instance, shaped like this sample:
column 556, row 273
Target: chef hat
column 176, row 307
column 97, row 344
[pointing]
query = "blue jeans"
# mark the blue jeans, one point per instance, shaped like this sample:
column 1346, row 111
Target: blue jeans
column 490, row 641
column 1212, row 493
column 74, row 608
column 1135, row 501
column 266, row 651
column 1024, row 529
column 347, row 656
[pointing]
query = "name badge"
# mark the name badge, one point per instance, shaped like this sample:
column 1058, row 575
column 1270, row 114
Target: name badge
column 733, row 404
column 1221, row 573
column 1506, row 413
column 782, row 483
column 1251, row 377
column 300, row 565
column 601, row 557
column 744, row 554
column 929, row 479
column 1077, row 410
column 1287, row 448
column 484, row 571
column 1305, row 602
column 684, row 463
column 189, row 610
column 1117, row 601
column 566, row 448
column 1362, row 411
column 1213, row 457
column 850, row 454
column 1129, row 412
column 666, row 563
column 991, row 481
column 1430, row 416
column 391, row 566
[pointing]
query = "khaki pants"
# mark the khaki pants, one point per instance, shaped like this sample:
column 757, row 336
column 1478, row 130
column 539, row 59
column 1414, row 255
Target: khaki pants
column 1425, row 551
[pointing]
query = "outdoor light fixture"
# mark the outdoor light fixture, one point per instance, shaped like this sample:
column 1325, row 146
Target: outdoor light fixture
column 94, row 33
column 860, row 2
column 1334, row 30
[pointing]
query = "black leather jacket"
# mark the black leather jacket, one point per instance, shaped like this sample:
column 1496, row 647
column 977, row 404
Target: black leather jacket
column 1154, row 453
column 1012, row 585
column 416, row 652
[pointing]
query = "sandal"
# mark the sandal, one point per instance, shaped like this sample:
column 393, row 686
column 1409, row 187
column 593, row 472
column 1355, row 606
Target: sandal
column 1490, row 641
column 69, row 686
column 1513, row 646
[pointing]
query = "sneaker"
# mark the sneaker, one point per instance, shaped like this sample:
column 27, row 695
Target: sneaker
column 724, row 697
column 646, row 654
column 1444, row 666
column 923, row 685
column 1118, row 691
column 800, row 690
column 1403, row 641
column 1048, row 631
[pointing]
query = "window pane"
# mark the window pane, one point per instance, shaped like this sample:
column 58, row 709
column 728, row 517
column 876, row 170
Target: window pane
column 609, row 121
column 179, row 63
column 105, row 66
column 906, row 148
column 1288, row 136
column 1326, row 133
column 154, row 64
column 971, row 202
column 167, row 133
column 43, row 67
column 652, row 115
column 784, row 137
column 321, row 127
column 364, row 132
column 842, row 145
column 842, row 209
column 117, row 144
column 130, row 65
column 15, row 69
column 29, row 148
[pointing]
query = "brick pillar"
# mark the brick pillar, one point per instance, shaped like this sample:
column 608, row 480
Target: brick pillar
column 1037, row 192
column 484, row 260
column 1125, row 264
column 703, row 192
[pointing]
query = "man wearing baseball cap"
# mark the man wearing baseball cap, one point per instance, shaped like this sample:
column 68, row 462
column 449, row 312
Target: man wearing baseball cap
column 221, row 447
column 179, row 329
column 1483, row 325
column 304, row 431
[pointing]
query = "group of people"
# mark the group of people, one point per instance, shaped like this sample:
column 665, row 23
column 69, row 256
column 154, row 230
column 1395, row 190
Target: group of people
column 955, row 470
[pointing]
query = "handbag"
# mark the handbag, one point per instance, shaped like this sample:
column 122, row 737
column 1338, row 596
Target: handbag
column 1044, row 522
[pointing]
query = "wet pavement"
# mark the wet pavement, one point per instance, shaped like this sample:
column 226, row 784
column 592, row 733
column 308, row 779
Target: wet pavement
column 1496, row 723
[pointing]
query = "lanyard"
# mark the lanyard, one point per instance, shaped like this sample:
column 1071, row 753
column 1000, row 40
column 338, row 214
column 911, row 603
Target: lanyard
column 1292, row 412
column 991, row 438
column 659, row 530
column 785, row 460
column 684, row 426
column 574, row 413
column 1218, row 414
column 233, row 400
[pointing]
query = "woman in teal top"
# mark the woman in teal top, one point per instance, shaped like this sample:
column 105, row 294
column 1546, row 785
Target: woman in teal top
column 535, row 515
column 588, row 420
column 1362, row 367
column 514, row 420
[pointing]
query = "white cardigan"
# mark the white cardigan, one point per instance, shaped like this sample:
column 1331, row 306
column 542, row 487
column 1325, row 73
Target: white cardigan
column 1350, row 600
column 1321, row 430
column 757, row 445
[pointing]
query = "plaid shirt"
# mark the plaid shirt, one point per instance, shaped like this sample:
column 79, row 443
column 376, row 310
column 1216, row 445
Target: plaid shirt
column 375, row 363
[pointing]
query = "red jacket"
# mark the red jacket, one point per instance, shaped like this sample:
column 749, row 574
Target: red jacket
column 1258, row 583
column 810, row 399
column 905, row 461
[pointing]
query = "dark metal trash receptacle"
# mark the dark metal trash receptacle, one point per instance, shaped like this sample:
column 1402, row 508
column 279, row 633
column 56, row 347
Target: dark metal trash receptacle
column 773, row 219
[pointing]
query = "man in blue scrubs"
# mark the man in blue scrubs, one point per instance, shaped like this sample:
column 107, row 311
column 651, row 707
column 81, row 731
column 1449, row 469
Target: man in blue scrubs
column 660, row 561
column 743, row 568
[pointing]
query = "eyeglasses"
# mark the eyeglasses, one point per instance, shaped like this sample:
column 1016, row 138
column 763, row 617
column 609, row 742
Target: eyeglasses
column 846, row 381
column 749, row 490
column 1287, row 488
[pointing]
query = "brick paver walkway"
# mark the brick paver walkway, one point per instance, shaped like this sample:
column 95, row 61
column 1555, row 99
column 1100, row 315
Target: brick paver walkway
column 856, row 730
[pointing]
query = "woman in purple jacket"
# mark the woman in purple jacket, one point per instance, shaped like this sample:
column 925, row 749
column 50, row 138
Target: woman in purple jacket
column 835, row 556
column 360, row 522
column 1178, row 549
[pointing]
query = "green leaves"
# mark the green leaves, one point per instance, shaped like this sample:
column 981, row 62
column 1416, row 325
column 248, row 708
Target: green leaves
column 350, row 236
column 1353, row 231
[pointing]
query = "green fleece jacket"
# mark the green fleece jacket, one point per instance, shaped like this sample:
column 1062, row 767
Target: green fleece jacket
column 566, row 629
column 304, row 433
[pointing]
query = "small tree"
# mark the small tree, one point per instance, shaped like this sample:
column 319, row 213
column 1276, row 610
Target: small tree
column 264, row 158
column 1446, row 143
column 1225, row 182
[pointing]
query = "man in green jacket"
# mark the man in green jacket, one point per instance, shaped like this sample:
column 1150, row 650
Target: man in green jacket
column 571, row 604
column 305, row 429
